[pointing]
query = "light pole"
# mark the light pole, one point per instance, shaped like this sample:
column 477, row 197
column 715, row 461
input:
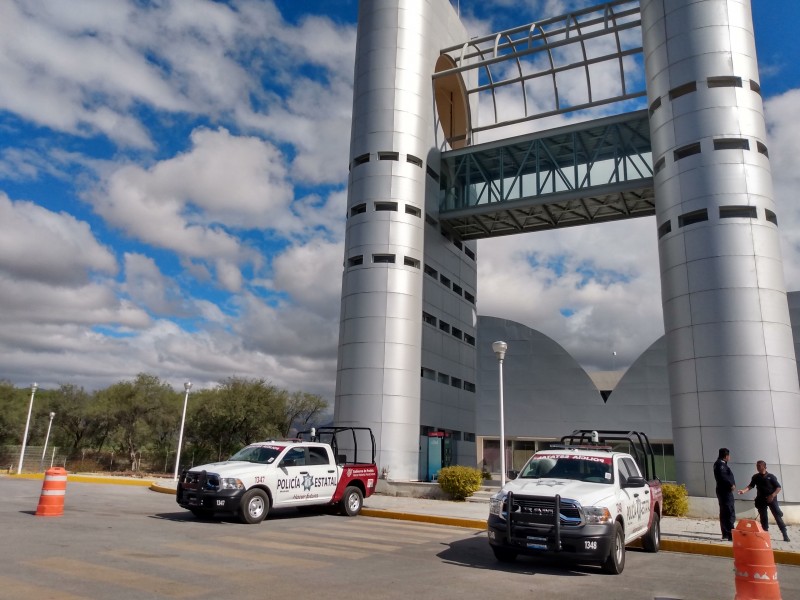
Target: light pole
column 47, row 437
column 27, row 425
column 500, row 352
column 187, row 386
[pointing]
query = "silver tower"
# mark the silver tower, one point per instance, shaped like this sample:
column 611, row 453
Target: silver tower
column 732, row 372
column 395, row 252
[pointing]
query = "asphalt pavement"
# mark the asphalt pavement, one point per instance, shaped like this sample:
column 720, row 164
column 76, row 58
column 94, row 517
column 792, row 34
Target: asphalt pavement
column 678, row 534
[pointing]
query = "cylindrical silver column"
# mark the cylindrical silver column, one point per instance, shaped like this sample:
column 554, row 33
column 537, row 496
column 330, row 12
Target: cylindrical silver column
column 732, row 372
column 392, row 143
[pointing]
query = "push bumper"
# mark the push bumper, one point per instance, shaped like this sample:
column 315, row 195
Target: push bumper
column 213, row 501
column 587, row 543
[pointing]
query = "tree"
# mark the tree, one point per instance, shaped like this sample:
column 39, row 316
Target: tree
column 75, row 411
column 300, row 410
column 12, row 414
column 134, row 408
column 238, row 412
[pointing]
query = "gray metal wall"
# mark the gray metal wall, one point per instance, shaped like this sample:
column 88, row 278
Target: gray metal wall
column 732, row 372
column 392, row 150
column 547, row 394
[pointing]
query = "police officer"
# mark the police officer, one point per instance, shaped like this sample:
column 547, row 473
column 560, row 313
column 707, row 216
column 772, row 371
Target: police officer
column 767, row 489
column 726, row 485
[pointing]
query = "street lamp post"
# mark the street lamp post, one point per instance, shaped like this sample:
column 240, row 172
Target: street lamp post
column 187, row 386
column 27, row 426
column 47, row 438
column 500, row 352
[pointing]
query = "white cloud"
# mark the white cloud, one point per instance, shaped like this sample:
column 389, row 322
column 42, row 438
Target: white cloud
column 312, row 275
column 185, row 203
column 784, row 148
column 605, row 279
column 53, row 248
column 150, row 289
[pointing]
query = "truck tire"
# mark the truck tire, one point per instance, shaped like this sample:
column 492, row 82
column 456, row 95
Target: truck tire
column 504, row 554
column 352, row 501
column 651, row 541
column 254, row 506
column 615, row 562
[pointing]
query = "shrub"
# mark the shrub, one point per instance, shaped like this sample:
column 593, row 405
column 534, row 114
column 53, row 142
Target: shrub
column 460, row 482
column 676, row 500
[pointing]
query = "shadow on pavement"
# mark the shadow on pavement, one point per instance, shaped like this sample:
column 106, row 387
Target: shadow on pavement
column 475, row 552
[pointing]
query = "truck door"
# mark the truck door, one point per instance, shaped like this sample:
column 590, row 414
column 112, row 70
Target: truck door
column 302, row 480
column 637, row 500
column 323, row 470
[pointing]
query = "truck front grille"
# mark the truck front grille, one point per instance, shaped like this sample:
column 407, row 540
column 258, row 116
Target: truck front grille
column 201, row 480
column 538, row 509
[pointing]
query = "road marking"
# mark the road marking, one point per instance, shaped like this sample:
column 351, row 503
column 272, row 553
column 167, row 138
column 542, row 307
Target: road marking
column 420, row 528
column 228, row 552
column 215, row 570
column 355, row 539
column 310, row 547
column 373, row 530
column 13, row 588
column 86, row 571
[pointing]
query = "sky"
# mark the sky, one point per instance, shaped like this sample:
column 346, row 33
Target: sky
column 173, row 190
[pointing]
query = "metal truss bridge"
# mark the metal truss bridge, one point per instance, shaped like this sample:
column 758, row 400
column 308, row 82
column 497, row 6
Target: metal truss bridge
column 591, row 172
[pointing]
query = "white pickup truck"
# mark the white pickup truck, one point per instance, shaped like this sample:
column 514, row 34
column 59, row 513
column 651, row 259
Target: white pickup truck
column 283, row 473
column 581, row 501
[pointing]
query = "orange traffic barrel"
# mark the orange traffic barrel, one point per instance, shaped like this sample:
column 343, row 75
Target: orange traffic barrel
column 54, row 488
column 754, row 563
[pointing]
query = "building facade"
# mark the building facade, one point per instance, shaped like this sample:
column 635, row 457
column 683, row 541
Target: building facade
column 408, row 289
column 407, row 364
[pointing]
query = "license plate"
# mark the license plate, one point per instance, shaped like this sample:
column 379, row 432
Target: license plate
column 537, row 543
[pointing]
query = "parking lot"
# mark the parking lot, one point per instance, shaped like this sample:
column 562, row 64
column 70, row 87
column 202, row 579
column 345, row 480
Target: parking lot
column 129, row 542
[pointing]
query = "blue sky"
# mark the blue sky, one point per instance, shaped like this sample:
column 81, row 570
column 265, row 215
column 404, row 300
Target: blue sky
column 173, row 185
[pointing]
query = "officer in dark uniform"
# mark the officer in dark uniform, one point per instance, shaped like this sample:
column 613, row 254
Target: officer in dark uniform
column 726, row 485
column 767, row 489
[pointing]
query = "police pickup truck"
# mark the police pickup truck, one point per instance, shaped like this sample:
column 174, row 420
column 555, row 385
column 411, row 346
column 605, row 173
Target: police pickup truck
column 580, row 500
column 324, row 470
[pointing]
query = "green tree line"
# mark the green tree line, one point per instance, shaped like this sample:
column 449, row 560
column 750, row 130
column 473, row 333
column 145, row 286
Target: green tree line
column 135, row 424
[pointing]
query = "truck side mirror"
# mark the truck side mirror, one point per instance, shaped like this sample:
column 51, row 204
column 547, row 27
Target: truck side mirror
column 513, row 474
column 635, row 482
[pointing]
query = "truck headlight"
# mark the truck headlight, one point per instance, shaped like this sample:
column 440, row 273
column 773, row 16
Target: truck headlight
column 496, row 504
column 597, row 514
column 231, row 484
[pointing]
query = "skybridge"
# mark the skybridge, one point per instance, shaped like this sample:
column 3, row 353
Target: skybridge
column 592, row 172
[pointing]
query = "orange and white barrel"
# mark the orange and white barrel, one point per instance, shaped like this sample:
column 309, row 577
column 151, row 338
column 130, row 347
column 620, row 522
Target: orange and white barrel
column 54, row 488
column 754, row 563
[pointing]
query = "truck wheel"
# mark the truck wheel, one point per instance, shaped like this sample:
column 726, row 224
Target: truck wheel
column 254, row 506
column 352, row 501
column 504, row 554
column 652, row 539
column 202, row 513
column 616, row 558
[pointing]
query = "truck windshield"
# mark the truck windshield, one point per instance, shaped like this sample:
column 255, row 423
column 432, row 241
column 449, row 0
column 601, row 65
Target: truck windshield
column 257, row 454
column 580, row 468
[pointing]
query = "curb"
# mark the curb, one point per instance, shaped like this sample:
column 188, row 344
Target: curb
column 88, row 479
column 400, row 516
column 161, row 489
column 782, row 557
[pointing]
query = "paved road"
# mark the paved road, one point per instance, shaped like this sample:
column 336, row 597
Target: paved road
column 130, row 543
